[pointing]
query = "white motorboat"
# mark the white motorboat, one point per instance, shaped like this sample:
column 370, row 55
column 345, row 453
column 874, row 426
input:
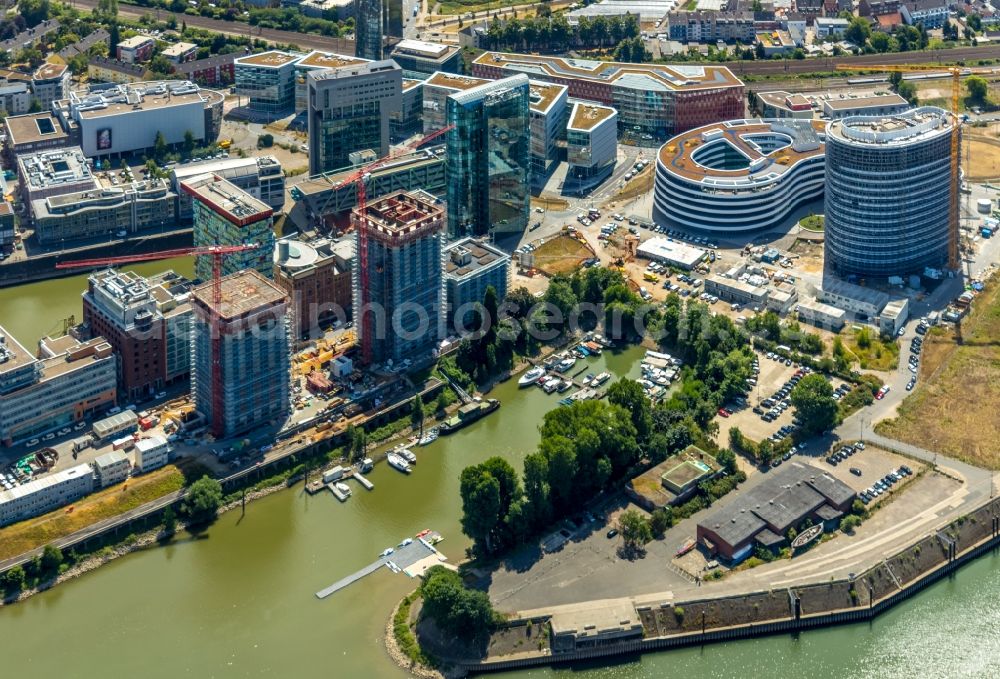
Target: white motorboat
column 343, row 488
column 530, row 377
column 397, row 462
column 407, row 455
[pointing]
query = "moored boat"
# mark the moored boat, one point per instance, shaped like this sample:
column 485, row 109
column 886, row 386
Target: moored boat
column 397, row 462
column 407, row 455
column 468, row 414
column 530, row 377
column 601, row 379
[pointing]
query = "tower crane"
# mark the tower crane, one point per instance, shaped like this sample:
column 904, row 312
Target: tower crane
column 217, row 253
column 360, row 177
column 956, row 94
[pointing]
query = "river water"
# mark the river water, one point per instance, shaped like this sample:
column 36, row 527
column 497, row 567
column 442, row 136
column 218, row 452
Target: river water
column 239, row 601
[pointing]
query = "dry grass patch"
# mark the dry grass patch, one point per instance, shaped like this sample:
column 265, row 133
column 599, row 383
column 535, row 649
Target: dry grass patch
column 561, row 254
column 105, row 504
column 954, row 409
column 983, row 154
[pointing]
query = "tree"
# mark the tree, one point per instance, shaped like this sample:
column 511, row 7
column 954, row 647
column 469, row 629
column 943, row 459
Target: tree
column 52, row 558
column 629, row 395
column 634, row 529
column 442, row 401
column 188, row 145
column 417, row 415
column 13, row 580
column 357, row 442
column 858, row 31
column 34, row 11
column 661, row 520
column 456, row 609
column 202, row 500
column 480, row 508
column 849, row 523
column 159, row 146
column 726, row 458
column 978, row 88
column 169, row 521
column 814, row 404
column 536, row 489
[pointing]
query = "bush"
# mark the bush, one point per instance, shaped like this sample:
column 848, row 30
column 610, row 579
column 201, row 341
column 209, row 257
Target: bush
column 679, row 614
column 849, row 523
column 202, row 501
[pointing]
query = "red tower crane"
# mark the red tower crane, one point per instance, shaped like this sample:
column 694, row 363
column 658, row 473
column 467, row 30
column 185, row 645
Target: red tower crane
column 216, row 252
column 361, row 177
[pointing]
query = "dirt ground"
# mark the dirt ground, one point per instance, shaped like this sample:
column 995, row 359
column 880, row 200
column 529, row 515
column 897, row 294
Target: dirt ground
column 561, row 254
column 954, row 408
column 810, row 253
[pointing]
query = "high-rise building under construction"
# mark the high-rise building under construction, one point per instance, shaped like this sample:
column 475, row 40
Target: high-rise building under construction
column 241, row 354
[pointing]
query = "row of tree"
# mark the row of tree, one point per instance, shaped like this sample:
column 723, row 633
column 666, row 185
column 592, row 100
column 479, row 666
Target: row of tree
column 553, row 33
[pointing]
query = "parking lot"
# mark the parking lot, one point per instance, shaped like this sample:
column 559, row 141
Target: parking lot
column 865, row 468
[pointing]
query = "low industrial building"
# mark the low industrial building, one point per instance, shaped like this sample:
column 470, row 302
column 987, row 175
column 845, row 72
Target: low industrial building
column 115, row 426
column 260, row 176
column 672, row 481
column 762, row 516
column 151, row 453
column 735, row 290
column 418, row 58
column 547, row 112
column 111, row 468
column 316, row 276
column 739, row 175
column 591, row 142
column 70, row 380
column 893, row 316
column 781, row 298
column 780, row 104
column 324, row 200
column 593, row 624
column 45, row 494
column 116, row 120
column 671, row 252
column 887, row 104
column 861, row 301
column 821, row 315
column 470, row 267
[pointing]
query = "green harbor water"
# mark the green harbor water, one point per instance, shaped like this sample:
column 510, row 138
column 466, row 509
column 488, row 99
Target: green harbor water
column 239, row 601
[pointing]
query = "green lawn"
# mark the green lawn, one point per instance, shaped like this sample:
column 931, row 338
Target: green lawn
column 812, row 223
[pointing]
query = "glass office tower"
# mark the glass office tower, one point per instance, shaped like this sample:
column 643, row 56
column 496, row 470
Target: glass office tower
column 488, row 158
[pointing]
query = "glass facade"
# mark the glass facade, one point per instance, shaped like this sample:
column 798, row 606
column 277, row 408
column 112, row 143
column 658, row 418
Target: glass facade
column 488, row 158
column 888, row 197
column 371, row 14
column 271, row 88
column 211, row 228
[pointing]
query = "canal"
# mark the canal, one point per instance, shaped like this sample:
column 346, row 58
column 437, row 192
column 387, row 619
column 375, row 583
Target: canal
column 239, row 602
